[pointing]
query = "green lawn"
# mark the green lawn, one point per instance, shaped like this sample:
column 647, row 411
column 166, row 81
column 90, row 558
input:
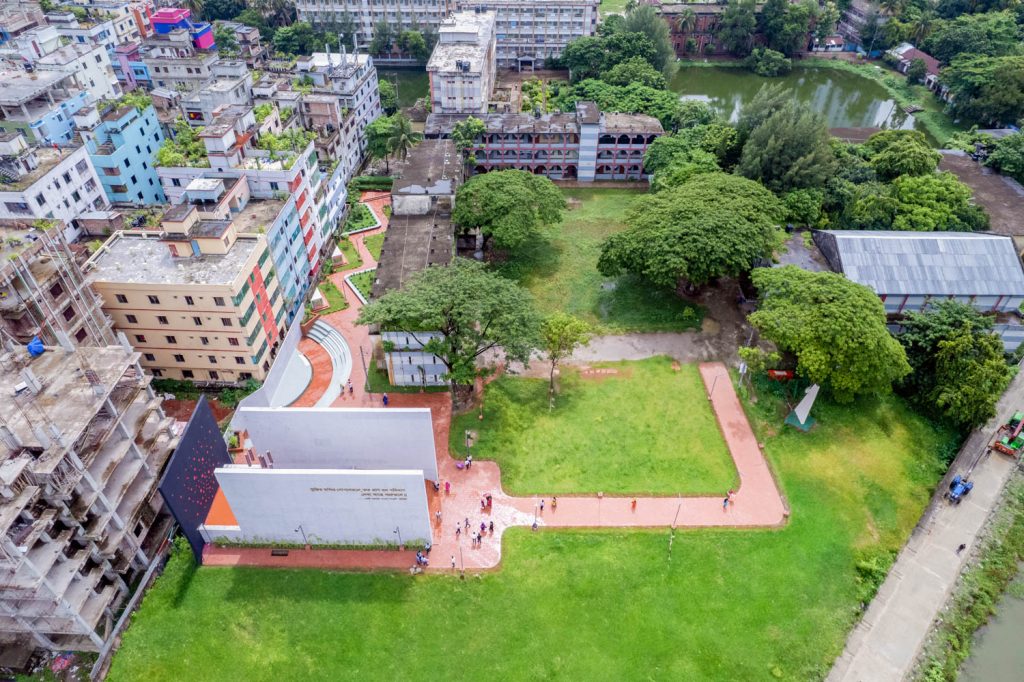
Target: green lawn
column 612, row 6
column 335, row 299
column 604, row 605
column 364, row 282
column 374, row 243
column 351, row 255
column 360, row 218
column 561, row 271
column 648, row 430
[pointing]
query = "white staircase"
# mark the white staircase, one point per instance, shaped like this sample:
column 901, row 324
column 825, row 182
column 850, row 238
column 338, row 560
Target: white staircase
column 341, row 359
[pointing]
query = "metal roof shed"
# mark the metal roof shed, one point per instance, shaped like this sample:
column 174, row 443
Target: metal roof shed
column 907, row 269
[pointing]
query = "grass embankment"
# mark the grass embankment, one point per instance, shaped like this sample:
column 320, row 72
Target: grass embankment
column 561, row 271
column 724, row 605
column 352, row 258
column 374, row 243
column 979, row 590
column 642, row 427
column 363, row 281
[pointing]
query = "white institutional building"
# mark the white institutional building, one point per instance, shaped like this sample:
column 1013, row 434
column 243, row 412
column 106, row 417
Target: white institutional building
column 461, row 68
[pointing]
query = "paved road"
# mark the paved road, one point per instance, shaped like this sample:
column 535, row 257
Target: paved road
column 887, row 642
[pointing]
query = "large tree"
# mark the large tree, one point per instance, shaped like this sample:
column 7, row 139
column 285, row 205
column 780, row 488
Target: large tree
column 646, row 19
column 790, row 150
column 711, row 226
column 988, row 90
column 958, row 364
column 787, row 25
column 378, row 133
column 508, row 207
column 471, row 310
column 737, row 27
column 901, row 152
column 770, row 98
column 633, row 98
column 635, row 70
column 1007, row 156
column 584, row 57
column 561, row 334
column 938, row 201
column 993, row 34
column 834, row 327
column 403, row 137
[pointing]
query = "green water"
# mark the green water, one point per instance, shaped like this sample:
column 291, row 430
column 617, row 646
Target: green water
column 410, row 84
column 997, row 653
column 847, row 100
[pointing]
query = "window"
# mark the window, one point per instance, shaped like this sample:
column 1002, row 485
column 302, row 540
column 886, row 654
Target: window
column 273, row 186
column 245, row 375
column 205, row 340
column 149, row 357
column 198, row 321
column 41, row 200
column 232, row 341
column 175, row 182
column 140, row 338
column 121, row 298
column 226, row 321
column 155, row 300
column 239, row 360
column 76, row 196
column 134, row 180
column 68, row 313
column 213, row 359
column 131, row 319
column 162, row 319
column 214, row 375
column 189, row 300
column 80, row 335
column 56, row 290
column 218, row 300
column 179, row 358
column 67, row 177
column 187, row 373
column 171, row 339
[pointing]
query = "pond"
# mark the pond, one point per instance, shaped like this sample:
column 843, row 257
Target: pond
column 410, row 84
column 847, row 100
column 997, row 653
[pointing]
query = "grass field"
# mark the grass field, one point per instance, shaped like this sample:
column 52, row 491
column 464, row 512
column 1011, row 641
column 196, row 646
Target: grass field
column 561, row 271
column 648, row 430
column 374, row 243
column 604, row 605
column 612, row 6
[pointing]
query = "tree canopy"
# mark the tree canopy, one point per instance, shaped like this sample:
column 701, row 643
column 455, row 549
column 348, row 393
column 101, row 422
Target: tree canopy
column 790, row 150
column 646, row 19
column 635, row 97
column 737, row 27
column 471, row 309
column 1007, row 156
column 561, row 334
column 766, row 62
column 835, row 327
column 786, row 25
column 901, row 152
column 958, row 363
column 634, row 70
column 938, row 201
column 988, row 90
column 992, row 34
column 710, row 226
column 509, row 206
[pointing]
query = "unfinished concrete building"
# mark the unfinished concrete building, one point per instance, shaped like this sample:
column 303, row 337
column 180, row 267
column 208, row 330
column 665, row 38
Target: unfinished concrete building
column 83, row 441
column 43, row 291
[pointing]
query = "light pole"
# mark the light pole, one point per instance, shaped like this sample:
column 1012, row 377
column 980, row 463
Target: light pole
column 712, row 391
column 398, row 531
column 301, row 530
column 366, row 372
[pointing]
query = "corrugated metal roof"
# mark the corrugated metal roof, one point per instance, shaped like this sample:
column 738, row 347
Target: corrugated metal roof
column 931, row 263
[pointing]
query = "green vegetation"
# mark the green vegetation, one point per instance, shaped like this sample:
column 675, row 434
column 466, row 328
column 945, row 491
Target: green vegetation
column 335, row 299
column 261, row 111
column 560, row 270
column 351, row 255
column 139, row 100
column 184, row 149
column 613, row 6
column 363, row 282
column 642, row 428
column 537, row 94
column 360, row 217
column 363, row 183
column 783, row 600
column 374, row 243
column 509, row 208
column 288, row 143
column 975, row 598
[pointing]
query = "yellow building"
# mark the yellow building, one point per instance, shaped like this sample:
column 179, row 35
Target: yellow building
column 198, row 300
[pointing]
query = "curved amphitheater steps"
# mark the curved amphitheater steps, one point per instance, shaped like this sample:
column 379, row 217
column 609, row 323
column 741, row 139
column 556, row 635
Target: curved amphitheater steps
column 341, row 359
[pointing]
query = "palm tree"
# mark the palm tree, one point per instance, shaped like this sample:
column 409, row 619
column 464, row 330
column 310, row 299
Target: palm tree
column 403, row 137
column 195, row 7
column 922, row 26
column 892, row 7
column 687, row 21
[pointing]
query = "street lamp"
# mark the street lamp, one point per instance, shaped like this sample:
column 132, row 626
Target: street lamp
column 398, row 531
column 301, row 530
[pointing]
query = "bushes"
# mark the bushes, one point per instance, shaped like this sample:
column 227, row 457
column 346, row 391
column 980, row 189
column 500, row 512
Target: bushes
column 364, row 183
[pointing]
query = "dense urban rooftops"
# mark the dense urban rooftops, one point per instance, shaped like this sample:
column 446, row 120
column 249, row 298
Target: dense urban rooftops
column 140, row 259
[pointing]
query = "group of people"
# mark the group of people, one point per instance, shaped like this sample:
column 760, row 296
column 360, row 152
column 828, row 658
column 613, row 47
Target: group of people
column 421, row 559
column 477, row 537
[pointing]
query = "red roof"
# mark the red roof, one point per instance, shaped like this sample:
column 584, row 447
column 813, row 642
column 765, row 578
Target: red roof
column 930, row 62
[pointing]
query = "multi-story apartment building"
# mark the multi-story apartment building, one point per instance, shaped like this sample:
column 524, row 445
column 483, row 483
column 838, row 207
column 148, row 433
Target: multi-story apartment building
column 234, row 149
column 527, row 31
column 461, row 67
column 181, row 54
column 84, row 441
column 43, row 292
column 585, row 145
column 88, row 68
column 40, row 105
column 230, row 85
column 352, row 78
column 853, row 18
column 32, row 44
column 44, row 183
column 17, row 18
column 122, row 142
column 85, row 32
column 199, row 300
column 130, row 70
column 250, row 46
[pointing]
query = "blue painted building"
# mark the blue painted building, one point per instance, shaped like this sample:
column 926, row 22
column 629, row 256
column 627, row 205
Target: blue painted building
column 40, row 105
column 289, row 255
column 122, row 143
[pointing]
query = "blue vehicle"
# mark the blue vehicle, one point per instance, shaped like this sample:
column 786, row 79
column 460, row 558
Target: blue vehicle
column 959, row 488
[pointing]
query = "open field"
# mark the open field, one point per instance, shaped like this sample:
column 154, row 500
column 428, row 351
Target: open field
column 725, row 605
column 561, row 271
column 632, row 427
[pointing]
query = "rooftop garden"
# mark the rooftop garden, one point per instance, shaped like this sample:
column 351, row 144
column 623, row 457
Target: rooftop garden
column 287, row 145
column 261, row 111
column 138, row 100
column 184, row 149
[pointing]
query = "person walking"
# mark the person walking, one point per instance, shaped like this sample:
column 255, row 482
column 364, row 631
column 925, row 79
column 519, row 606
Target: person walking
column 491, row 527
column 385, row 399
column 632, row 505
column 467, row 523
column 732, row 497
column 447, row 487
column 453, row 562
column 469, row 461
column 542, row 506
column 961, row 548
column 351, row 388
column 458, row 531
column 554, row 503
column 437, row 515
column 725, row 503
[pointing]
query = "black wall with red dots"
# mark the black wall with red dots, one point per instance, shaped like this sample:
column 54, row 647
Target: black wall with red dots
column 189, row 486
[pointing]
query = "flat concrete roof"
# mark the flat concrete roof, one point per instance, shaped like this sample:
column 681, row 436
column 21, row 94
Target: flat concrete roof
column 447, row 56
column 48, row 158
column 431, row 169
column 138, row 259
column 258, row 213
column 68, row 398
column 20, row 87
column 630, row 123
column 412, row 243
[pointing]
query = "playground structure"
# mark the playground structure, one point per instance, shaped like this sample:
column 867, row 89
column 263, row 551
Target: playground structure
column 1008, row 439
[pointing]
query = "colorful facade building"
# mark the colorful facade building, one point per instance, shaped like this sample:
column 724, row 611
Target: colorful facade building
column 122, row 142
column 198, row 300
column 130, row 70
column 40, row 105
